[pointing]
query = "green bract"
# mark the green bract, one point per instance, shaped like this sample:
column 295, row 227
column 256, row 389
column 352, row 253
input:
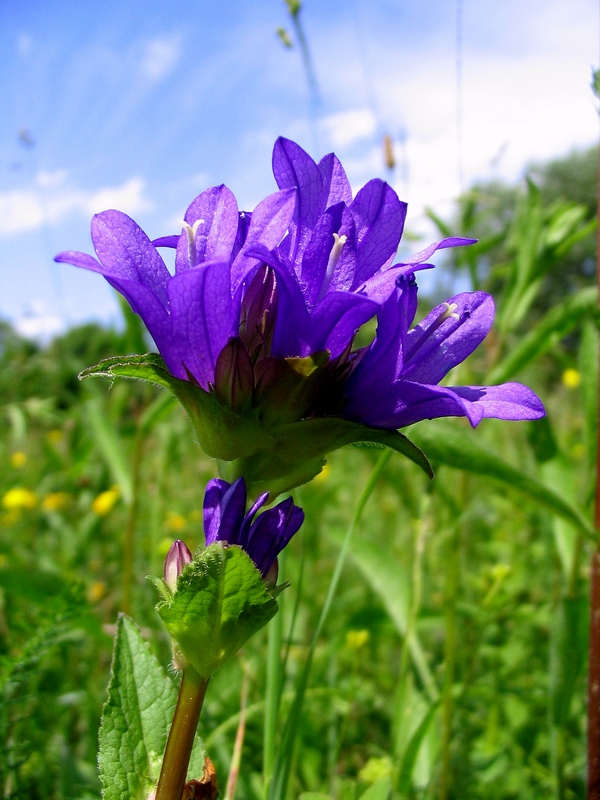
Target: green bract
column 271, row 445
column 220, row 602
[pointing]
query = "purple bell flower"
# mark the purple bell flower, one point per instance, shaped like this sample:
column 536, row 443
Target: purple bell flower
column 263, row 537
column 258, row 322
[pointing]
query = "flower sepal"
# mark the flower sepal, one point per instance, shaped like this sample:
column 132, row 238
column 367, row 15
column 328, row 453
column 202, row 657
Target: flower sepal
column 222, row 433
column 221, row 600
column 298, row 453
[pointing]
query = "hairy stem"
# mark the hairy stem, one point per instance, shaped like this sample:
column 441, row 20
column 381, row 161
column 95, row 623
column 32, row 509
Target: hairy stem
column 181, row 736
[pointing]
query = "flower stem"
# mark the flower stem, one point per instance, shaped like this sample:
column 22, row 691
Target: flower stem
column 181, row 736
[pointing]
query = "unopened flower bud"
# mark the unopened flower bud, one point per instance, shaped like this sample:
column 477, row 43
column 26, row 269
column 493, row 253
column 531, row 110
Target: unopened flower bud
column 178, row 556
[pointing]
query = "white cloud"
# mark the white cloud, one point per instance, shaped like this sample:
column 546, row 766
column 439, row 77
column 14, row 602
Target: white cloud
column 128, row 198
column 38, row 322
column 347, row 127
column 159, row 56
column 27, row 209
column 50, row 180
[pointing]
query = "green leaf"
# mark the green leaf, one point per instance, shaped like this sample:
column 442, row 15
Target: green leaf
column 136, row 719
column 557, row 323
column 380, row 790
column 568, row 645
column 308, row 438
column 391, row 582
column 220, row 602
column 111, row 447
column 411, row 753
column 149, row 368
column 222, row 433
column 456, row 448
column 314, row 796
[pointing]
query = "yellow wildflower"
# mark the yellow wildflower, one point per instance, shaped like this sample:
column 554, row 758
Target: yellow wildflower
column 578, row 451
column 571, row 378
column 355, row 639
column 18, row 459
column 55, row 501
column 19, row 497
column 105, row 501
column 55, row 436
column 175, row 522
column 96, row 591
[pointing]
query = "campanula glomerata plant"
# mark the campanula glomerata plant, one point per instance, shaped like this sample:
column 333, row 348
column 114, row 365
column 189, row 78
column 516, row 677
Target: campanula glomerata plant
column 256, row 334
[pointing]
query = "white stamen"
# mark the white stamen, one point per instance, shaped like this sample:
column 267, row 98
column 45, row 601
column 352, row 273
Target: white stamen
column 191, row 232
column 334, row 257
column 448, row 313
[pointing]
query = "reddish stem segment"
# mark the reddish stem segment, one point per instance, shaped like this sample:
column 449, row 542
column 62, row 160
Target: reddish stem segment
column 181, row 736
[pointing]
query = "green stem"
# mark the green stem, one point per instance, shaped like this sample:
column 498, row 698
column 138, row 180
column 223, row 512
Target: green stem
column 449, row 659
column 272, row 695
column 181, row 736
column 129, row 548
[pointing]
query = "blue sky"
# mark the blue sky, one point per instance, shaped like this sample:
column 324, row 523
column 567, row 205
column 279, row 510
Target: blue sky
column 142, row 105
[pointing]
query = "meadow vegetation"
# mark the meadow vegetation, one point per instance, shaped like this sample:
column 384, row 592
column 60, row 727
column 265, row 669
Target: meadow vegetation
column 452, row 663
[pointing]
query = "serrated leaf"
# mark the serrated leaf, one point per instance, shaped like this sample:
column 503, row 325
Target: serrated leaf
column 448, row 445
column 220, row 602
column 136, row 719
column 222, row 433
column 149, row 368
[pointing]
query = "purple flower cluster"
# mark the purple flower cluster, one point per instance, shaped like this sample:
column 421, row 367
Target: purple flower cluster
column 226, row 521
column 257, row 327
column 263, row 538
column 254, row 292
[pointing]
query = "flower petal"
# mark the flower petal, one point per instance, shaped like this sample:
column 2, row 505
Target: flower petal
column 379, row 217
column 144, row 302
column 203, row 317
column 507, row 401
column 272, row 531
column 336, row 187
column 423, row 255
column 82, row 260
column 447, row 336
column 217, row 211
column 336, row 319
column 318, row 252
column 223, row 512
column 126, row 252
column 270, row 220
column 416, row 401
